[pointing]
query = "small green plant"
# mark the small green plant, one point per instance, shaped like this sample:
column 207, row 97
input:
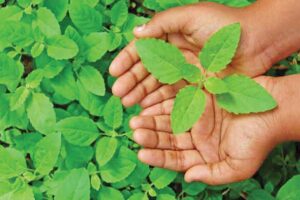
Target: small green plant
column 235, row 93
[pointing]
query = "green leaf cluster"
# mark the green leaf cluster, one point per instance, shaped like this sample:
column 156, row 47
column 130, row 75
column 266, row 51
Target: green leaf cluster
column 235, row 93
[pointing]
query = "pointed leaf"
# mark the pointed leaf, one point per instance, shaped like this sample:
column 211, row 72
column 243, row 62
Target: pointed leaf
column 245, row 96
column 80, row 131
column 220, row 48
column 188, row 107
column 46, row 152
column 92, row 80
column 41, row 113
column 161, row 59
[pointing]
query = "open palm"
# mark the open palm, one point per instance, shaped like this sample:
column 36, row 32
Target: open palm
column 188, row 28
column 220, row 148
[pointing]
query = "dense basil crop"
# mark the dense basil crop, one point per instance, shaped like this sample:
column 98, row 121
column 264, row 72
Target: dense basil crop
column 63, row 136
column 235, row 93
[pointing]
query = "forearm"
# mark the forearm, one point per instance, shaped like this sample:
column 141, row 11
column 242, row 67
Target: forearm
column 287, row 93
column 278, row 22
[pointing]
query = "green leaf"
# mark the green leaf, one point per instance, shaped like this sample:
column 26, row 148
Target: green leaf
column 25, row 192
column 41, row 113
column 109, row 193
column 77, row 156
column 245, row 96
column 260, row 194
column 138, row 196
column 119, row 13
column 85, row 18
column 18, row 98
column 161, row 59
column 92, row 80
column 188, row 107
column 79, row 130
column 105, row 149
column 34, row 79
column 24, row 3
column 47, row 22
column 73, row 34
column 58, row 7
column 97, row 45
column 15, row 33
column 191, row 73
column 37, row 49
column 113, row 112
column 61, row 47
column 290, row 190
column 193, row 188
column 220, row 48
column 94, row 104
column 120, row 167
column 64, row 84
column 10, row 72
column 10, row 13
column 74, row 185
column 215, row 85
column 46, row 152
column 161, row 178
column 9, row 118
column 13, row 163
column 95, row 182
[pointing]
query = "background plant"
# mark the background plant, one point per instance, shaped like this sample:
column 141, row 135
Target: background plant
column 64, row 137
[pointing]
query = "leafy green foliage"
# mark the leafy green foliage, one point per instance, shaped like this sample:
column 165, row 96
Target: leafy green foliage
column 245, row 96
column 46, row 152
column 14, row 164
column 41, row 113
column 168, row 60
column 62, row 133
column 80, row 130
column 290, row 189
column 189, row 106
column 162, row 177
column 237, row 94
column 219, row 50
column 215, row 85
column 92, row 80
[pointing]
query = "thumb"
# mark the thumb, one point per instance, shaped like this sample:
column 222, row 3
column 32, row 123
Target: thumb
column 173, row 20
column 216, row 173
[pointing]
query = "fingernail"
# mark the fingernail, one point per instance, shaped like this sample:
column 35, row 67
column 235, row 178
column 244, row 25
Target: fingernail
column 140, row 28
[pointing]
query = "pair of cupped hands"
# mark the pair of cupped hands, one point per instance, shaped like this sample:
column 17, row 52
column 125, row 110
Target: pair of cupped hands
column 221, row 147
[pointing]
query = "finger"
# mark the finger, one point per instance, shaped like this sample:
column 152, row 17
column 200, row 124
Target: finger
column 124, row 60
column 181, row 42
column 156, row 123
column 162, row 140
column 173, row 160
column 138, row 93
column 163, row 93
column 223, row 172
column 163, row 108
column 129, row 80
column 173, row 20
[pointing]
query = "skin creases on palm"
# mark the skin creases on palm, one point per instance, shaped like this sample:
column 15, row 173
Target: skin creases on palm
column 220, row 148
column 138, row 86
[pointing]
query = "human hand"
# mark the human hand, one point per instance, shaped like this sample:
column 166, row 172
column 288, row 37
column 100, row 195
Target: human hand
column 220, row 148
column 187, row 28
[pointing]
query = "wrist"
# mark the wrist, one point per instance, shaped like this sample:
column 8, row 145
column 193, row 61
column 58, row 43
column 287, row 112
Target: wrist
column 287, row 114
column 274, row 28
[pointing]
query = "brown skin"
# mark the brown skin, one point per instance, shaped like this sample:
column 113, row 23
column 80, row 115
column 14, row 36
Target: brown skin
column 221, row 147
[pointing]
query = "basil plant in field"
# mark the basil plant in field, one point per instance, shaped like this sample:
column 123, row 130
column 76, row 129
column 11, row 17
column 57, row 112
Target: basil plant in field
column 235, row 93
